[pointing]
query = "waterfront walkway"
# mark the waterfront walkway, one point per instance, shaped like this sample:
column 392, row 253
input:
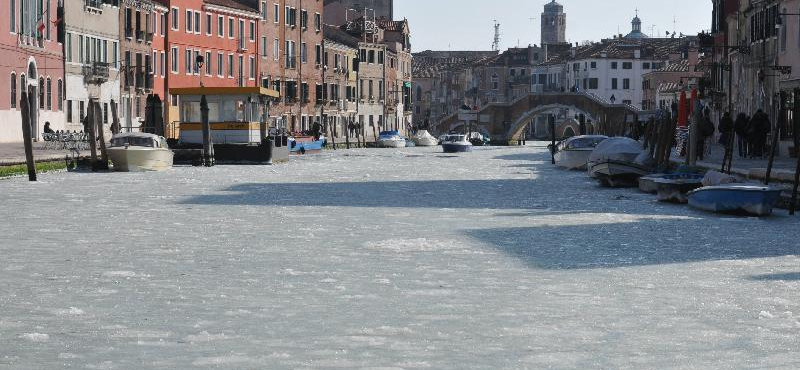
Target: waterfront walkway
column 14, row 153
column 752, row 168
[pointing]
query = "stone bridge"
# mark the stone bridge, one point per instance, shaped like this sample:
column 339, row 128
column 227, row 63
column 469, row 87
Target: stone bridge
column 506, row 122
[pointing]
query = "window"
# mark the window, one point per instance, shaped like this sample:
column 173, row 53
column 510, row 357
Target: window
column 188, row 62
column 317, row 22
column 276, row 13
column 230, row 27
column 197, row 22
column 264, row 46
column 154, row 67
column 220, row 65
column 189, row 16
column 627, row 65
column 13, row 87
column 208, row 64
column 69, row 111
column 49, row 94
column 614, row 84
column 80, row 48
column 174, row 59
column 41, row 92
column 290, row 54
column 114, row 53
column 613, row 65
column 304, row 19
column 303, row 56
column 646, row 65
column 60, row 95
column 81, row 111
column 230, row 65
column 318, row 54
column 67, row 46
column 175, row 19
column 276, row 49
column 13, row 23
column 252, row 68
column 264, row 10
column 252, row 31
column 593, row 84
column 105, row 112
column 163, row 64
column 220, row 26
column 208, row 24
column 593, row 65
column 163, row 24
column 626, row 83
column 195, row 55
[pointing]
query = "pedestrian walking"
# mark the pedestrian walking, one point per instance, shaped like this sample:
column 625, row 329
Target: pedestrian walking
column 725, row 128
column 740, row 128
column 705, row 130
column 757, row 133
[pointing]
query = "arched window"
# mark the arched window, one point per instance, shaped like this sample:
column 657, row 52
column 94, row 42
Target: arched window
column 41, row 92
column 60, row 93
column 22, row 85
column 13, row 90
column 49, row 94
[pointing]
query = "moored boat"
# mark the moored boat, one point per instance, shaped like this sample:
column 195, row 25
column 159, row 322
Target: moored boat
column 137, row 152
column 391, row 139
column 424, row 138
column 674, row 188
column 456, row 144
column 299, row 145
column 735, row 198
column 614, row 162
column 647, row 184
column 574, row 152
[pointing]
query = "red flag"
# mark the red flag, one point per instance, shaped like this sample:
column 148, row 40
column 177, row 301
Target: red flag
column 40, row 27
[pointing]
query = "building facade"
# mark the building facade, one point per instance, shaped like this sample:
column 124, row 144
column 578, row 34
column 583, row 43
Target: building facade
column 138, row 21
column 554, row 24
column 32, row 61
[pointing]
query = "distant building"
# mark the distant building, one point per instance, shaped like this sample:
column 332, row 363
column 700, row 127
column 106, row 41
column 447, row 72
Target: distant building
column 554, row 24
column 336, row 10
column 636, row 29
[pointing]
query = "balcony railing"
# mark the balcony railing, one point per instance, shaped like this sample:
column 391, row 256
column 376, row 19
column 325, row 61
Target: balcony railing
column 96, row 72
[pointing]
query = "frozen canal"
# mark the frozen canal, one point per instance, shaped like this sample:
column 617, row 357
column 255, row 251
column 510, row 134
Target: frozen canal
column 386, row 259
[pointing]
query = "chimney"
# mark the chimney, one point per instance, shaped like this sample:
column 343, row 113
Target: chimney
column 692, row 57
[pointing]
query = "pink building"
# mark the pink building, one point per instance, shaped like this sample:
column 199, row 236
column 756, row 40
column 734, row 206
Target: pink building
column 32, row 60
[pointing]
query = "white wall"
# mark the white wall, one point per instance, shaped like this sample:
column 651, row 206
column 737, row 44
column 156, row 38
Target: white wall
column 604, row 74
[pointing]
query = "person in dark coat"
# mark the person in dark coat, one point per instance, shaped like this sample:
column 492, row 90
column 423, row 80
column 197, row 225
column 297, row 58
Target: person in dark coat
column 741, row 127
column 725, row 128
column 705, row 130
column 758, row 131
column 47, row 129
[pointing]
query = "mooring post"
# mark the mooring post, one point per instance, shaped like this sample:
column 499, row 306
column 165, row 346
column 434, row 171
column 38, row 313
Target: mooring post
column 552, row 139
column 115, row 129
column 776, row 133
column 24, row 106
column 91, row 128
column 98, row 119
column 208, row 150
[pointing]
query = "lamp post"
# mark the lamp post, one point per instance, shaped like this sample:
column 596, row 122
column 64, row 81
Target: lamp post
column 208, row 145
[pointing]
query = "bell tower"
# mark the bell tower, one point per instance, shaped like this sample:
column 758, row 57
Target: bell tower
column 554, row 24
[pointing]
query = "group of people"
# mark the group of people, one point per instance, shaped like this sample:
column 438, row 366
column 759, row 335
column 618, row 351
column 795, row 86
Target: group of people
column 751, row 133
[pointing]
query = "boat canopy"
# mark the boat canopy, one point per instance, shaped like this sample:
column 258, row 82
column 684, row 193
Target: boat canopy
column 616, row 148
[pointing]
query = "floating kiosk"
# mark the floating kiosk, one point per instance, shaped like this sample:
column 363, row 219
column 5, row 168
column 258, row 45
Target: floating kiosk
column 238, row 117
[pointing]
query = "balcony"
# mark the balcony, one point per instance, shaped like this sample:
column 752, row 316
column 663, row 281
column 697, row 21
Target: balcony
column 129, row 33
column 95, row 73
column 140, row 35
column 148, row 37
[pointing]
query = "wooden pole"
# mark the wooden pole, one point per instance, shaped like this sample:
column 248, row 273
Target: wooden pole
column 347, row 132
column 552, row 121
column 24, row 106
column 208, row 151
column 92, row 135
column 330, row 131
column 374, row 134
column 776, row 133
column 98, row 119
column 115, row 129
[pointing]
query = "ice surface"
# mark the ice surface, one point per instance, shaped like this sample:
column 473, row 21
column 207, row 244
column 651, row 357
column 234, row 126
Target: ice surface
column 386, row 259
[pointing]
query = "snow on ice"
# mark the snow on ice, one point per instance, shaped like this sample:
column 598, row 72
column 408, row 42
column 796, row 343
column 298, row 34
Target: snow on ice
column 386, row 259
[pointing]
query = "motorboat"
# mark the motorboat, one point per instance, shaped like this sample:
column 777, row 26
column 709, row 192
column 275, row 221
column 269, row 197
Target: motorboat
column 616, row 162
column 456, row 144
column 675, row 187
column 647, row 184
column 424, row 138
column 299, row 145
column 410, row 143
column 137, row 152
column 754, row 200
column 478, row 139
column 391, row 139
column 574, row 152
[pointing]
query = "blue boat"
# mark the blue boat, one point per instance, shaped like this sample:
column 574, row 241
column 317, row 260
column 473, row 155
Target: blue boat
column 732, row 198
column 674, row 188
column 299, row 145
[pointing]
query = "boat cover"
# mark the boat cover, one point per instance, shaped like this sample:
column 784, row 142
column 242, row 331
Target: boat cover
column 616, row 148
column 714, row 178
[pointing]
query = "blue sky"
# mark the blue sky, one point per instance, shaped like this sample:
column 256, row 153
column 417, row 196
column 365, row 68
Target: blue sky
column 467, row 24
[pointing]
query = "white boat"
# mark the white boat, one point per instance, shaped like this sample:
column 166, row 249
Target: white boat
column 574, row 152
column 135, row 152
column 614, row 162
column 456, row 144
column 391, row 139
column 424, row 138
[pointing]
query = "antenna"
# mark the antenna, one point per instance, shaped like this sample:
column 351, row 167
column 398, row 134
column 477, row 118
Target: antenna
column 496, row 43
column 674, row 21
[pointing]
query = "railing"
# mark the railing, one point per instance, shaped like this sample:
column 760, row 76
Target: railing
column 96, row 72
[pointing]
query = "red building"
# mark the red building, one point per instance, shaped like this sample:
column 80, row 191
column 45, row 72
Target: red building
column 31, row 59
column 223, row 32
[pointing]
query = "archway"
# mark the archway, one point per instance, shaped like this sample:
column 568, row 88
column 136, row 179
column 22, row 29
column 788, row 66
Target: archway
column 517, row 127
column 33, row 96
column 568, row 133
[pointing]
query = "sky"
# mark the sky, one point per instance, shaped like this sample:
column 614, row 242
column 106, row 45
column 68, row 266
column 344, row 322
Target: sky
column 468, row 24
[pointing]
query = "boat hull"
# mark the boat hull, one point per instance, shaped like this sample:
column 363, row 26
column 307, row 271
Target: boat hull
column 432, row 141
column 392, row 143
column 305, row 146
column 751, row 200
column 573, row 159
column 675, row 188
column 647, row 184
column 456, row 148
column 617, row 173
column 140, row 159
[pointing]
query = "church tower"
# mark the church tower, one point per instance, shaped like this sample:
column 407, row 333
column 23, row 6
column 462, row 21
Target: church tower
column 554, row 24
